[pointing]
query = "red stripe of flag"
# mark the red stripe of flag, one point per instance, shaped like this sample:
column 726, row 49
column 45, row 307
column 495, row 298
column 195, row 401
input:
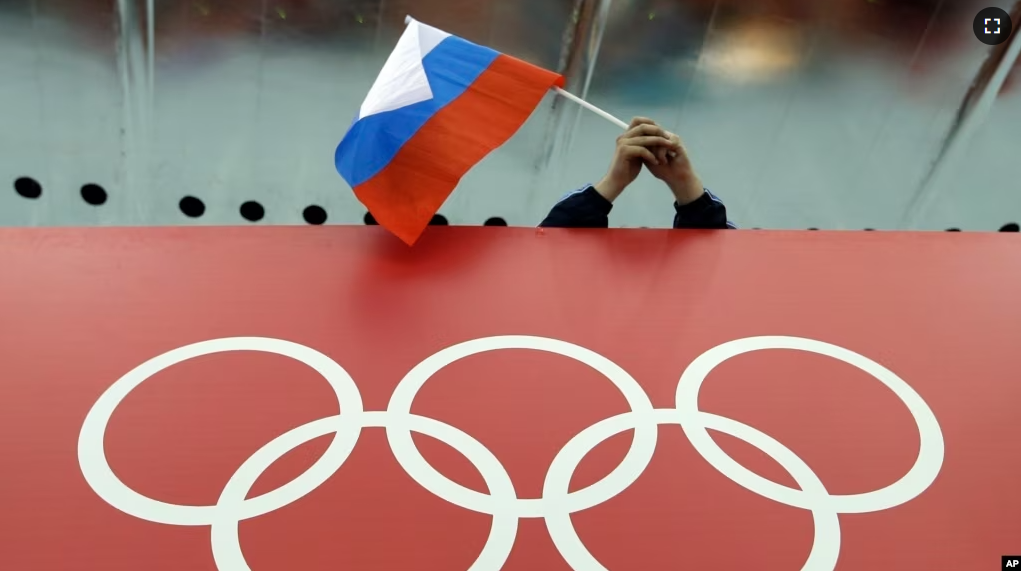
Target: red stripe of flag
column 405, row 195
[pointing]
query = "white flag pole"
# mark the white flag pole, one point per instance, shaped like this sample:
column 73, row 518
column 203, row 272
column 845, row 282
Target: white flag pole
column 598, row 111
column 591, row 108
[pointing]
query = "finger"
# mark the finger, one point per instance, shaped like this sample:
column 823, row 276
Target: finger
column 678, row 148
column 647, row 129
column 641, row 121
column 662, row 153
column 639, row 152
column 649, row 142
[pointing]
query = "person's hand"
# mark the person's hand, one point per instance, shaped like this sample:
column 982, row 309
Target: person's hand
column 637, row 147
column 673, row 167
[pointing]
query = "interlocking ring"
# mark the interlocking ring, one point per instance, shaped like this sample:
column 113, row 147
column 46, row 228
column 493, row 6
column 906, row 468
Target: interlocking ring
column 557, row 503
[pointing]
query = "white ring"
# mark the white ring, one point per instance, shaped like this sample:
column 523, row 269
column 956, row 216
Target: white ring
column 100, row 476
column 826, row 543
column 557, row 502
column 918, row 478
column 407, row 454
column 230, row 508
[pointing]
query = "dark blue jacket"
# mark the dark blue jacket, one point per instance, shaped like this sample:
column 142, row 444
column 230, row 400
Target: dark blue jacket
column 586, row 208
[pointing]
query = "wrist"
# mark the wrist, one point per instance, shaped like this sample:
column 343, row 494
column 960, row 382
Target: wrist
column 609, row 188
column 686, row 189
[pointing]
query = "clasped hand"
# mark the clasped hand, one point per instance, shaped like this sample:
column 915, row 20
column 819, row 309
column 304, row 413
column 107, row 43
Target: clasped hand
column 647, row 144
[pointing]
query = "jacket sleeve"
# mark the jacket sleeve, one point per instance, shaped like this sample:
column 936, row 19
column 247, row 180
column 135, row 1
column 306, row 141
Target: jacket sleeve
column 706, row 213
column 584, row 208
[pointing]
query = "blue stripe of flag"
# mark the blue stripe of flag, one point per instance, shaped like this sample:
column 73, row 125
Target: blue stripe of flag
column 372, row 142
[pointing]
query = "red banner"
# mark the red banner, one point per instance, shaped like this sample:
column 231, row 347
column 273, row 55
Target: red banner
column 328, row 398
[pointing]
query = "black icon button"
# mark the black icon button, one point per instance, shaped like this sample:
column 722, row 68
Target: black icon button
column 992, row 26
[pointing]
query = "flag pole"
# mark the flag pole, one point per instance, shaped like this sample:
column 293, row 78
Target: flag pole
column 591, row 108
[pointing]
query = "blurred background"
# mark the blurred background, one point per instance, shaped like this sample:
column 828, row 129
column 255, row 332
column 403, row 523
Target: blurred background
column 831, row 114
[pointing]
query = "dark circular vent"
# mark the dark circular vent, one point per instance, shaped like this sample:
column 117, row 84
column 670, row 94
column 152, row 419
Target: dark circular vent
column 28, row 187
column 252, row 211
column 314, row 215
column 192, row 207
column 93, row 194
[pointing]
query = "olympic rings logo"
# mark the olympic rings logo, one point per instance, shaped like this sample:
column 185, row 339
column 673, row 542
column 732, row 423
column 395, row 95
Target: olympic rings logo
column 556, row 504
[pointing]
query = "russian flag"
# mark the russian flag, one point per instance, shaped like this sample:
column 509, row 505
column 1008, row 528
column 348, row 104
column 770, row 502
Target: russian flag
column 438, row 107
